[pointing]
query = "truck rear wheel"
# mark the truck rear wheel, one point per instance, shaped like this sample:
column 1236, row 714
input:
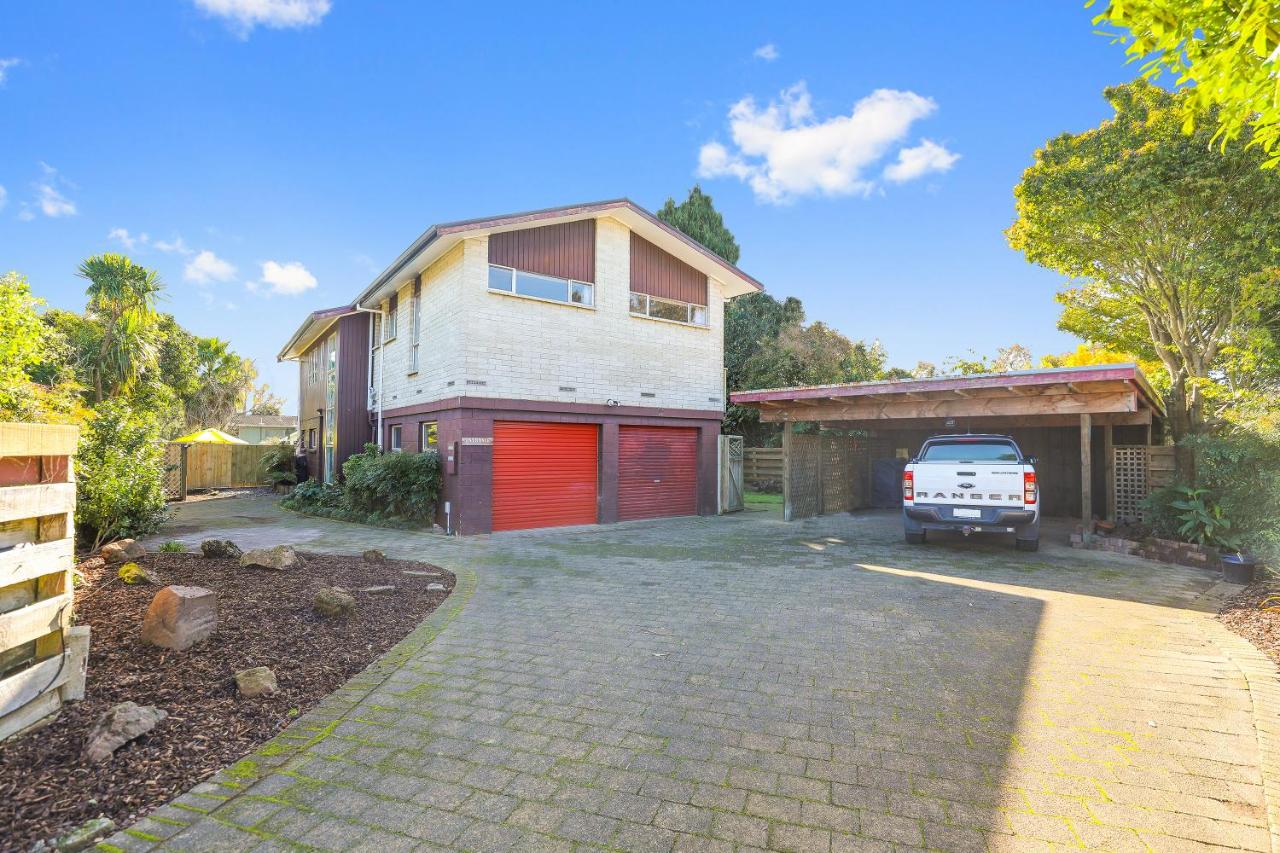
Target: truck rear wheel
column 915, row 538
column 1027, row 544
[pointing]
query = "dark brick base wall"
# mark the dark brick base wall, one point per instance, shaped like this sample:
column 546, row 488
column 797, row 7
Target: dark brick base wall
column 465, row 431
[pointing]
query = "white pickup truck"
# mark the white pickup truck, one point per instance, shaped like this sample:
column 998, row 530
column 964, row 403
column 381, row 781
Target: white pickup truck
column 973, row 484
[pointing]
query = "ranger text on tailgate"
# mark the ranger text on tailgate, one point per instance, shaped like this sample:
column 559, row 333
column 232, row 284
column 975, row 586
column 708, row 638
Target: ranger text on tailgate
column 973, row 484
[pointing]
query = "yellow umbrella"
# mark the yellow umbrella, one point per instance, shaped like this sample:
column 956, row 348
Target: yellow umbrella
column 209, row 436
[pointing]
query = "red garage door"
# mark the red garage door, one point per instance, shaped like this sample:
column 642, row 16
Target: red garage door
column 657, row 471
column 544, row 475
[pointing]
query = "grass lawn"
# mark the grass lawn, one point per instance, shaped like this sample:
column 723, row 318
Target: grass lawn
column 762, row 500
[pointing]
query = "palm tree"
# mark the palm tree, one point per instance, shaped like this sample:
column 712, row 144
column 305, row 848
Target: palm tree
column 223, row 378
column 122, row 298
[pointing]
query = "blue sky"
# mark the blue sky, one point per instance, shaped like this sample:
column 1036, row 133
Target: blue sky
column 277, row 153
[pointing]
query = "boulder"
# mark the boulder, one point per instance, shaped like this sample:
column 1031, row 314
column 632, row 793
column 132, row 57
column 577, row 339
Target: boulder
column 122, row 551
column 132, row 573
column 215, row 548
column 84, row 835
column 275, row 559
column 435, row 587
column 333, row 601
column 256, row 681
column 373, row 555
column 180, row 616
column 118, row 726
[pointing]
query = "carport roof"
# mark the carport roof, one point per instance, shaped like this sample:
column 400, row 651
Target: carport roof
column 1117, row 393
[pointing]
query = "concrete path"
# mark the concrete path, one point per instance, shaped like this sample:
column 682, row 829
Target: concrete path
column 739, row 683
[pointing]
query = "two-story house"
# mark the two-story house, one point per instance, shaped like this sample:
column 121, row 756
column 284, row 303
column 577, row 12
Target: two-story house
column 568, row 365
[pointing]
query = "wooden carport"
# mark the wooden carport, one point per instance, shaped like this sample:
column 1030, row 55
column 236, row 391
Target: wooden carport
column 1064, row 416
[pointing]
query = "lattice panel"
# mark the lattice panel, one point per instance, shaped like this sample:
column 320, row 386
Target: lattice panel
column 1131, row 481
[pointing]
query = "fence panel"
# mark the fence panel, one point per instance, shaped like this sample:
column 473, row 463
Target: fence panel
column 225, row 466
column 762, row 464
column 731, row 484
column 1138, row 470
column 42, row 658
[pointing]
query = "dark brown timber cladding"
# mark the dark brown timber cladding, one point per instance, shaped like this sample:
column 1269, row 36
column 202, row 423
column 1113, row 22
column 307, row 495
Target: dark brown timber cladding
column 311, row 408
column 656, row 273
column 353, row 386
column 567, row 250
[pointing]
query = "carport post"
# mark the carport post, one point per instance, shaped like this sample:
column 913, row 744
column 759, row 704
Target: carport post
column 1109, row 465
column 1086, row 473
column 786, row 470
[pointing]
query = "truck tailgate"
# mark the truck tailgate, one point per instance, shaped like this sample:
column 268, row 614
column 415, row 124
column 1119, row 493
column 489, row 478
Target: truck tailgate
column 968, row 484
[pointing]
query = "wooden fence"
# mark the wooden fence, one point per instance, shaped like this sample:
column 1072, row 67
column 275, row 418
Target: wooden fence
column 214, row 466
column 762, row 465
column 42, row 658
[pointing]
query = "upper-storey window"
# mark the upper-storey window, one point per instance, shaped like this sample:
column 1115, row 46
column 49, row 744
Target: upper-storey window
column 644, row 305
column 665, row 287
column 390, row 324
column 523, row 283
column 415, row 324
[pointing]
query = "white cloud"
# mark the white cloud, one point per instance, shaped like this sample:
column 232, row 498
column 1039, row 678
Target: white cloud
column 25, row 214
column 4, row 197
column 916, row 162
column 783, row 151
column 129, row 241
column 207, row 267
column 176, row 246
column 53, row 203
column 244, row 15
column 287, row 279
column 5, row 65
column 767, row 52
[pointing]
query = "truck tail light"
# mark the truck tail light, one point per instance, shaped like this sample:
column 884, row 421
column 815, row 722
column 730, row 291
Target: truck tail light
column 1029, row 487
column 908, row 486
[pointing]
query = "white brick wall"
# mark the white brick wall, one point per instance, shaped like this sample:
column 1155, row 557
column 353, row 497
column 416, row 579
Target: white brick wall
column 526, row 349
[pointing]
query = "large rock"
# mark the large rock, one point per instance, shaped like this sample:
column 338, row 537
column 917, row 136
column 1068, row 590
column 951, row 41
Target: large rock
column 215, row 548
column 373, row 555
column 180, row 616
column 277, row 559
column 256, row 681
column 122, row 551
column 333, row 601
column 116, row 727
column 133, row 573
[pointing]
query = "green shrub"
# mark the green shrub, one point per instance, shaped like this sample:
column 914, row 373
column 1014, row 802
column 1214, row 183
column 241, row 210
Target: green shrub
column 388, row 489
column 394, row 486
column 278, row 465
column 119, row 475
column 1238, row 480
column 172, row 547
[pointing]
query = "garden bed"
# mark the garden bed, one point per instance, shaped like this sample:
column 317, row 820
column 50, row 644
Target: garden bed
column 265, row 618
column 1260, row 627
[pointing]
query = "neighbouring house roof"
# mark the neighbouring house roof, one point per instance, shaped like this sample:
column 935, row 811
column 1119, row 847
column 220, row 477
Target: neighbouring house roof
column 1061, row 392
column 439, row 239
column 278, row 421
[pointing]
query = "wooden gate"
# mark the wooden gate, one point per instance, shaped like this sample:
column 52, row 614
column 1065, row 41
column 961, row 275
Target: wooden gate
column 731, row 483
column 1138, row 469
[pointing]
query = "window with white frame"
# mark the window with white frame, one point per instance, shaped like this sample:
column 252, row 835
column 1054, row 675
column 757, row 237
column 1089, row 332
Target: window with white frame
column 415, row 326
column 537, row 286
column 393, row 440
column 644, row 305
column 429, row 438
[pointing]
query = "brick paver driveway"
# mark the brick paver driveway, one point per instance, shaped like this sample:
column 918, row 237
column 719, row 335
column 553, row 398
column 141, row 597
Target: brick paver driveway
column 740, row 683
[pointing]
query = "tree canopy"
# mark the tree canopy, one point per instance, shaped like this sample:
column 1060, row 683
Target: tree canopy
column 1173, row 246
column 698, row 218
column 1229, row 53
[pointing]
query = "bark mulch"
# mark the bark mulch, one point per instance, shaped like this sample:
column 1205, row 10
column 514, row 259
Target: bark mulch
column 1243, row 615
column 264, row 619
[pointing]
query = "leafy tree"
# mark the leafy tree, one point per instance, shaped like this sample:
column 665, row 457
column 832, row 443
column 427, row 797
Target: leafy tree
column 697, row 217
column 223, row 378
column 119, row 474
column 32, row 384
column 264, row 402
column 1166, row 236
column 924, row 370
column 122, row 298
column 1227, row 54
column 1012, row 357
